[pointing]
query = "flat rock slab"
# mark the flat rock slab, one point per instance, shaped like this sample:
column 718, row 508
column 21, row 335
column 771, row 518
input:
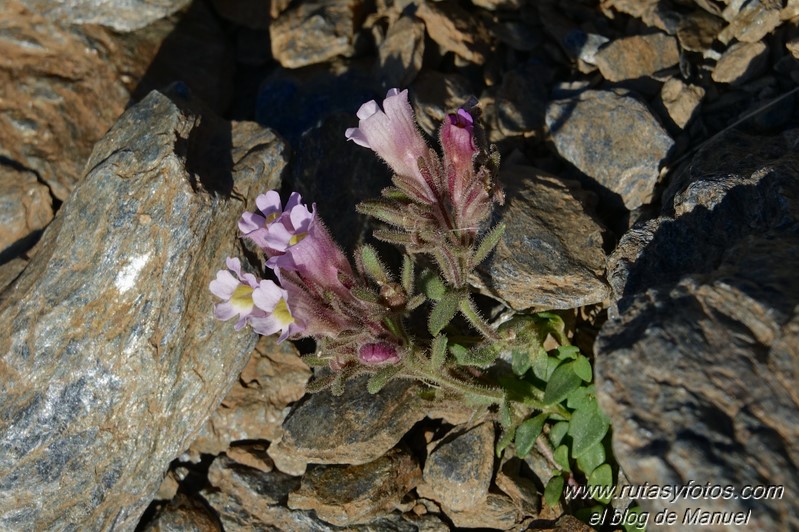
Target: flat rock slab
column 121, row 15
column 347, row 495
column 26, row 208
column 698, row 369
column 613, row 138
column 354, row 428
column 110, row 358
column 551, row 255
column 637, row 56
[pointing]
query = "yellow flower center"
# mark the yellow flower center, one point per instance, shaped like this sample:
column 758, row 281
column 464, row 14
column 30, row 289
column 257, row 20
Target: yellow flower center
column 242, row 298
column 295, row 239
column 282, row 313
column 272, row 217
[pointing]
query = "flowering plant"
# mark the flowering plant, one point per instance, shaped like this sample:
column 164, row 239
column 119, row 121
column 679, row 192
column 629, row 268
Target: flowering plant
column 439, row 208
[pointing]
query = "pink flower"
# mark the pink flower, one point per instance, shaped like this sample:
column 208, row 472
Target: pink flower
column 236, row 293
column 272, row 300
column 457, row 144
column 376, row 353
column 255, row 225
column 392, row 134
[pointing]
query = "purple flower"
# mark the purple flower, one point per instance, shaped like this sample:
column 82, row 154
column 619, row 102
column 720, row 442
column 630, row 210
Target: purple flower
column 392, row 134
column 272, row 300
column 376, row 353
column 458, row 147
column 236, row 293
column 256, row 225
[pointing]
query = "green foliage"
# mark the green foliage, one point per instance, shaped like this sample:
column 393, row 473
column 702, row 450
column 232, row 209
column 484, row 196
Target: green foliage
column 438, row 352
column 488, row 243
column 443, row 312
column 553, row 490
column 372, row 266
column 562, row 382
column 382, row 377
column 527, row 433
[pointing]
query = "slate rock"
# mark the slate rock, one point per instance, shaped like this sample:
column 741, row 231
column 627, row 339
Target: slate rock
column 57, row 98
column 613, row 138
column 354, row 428
column 401, row 52
column 457, row 472
column 347, row 495
column 698, row 365
column 681, row 100
column 455, row 30
column 315, row 31
column 121, row 15
column 551, row 255
column 111, row 357
column 740, row 63
column 26, row 208
column 637, row 56
column 184, row 514
column 255, row 407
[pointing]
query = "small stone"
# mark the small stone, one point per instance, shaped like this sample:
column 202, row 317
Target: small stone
column 583, row 46
column 457, row 473
column 347, row 495
column 168, row 488
column 681, row 100
column 740, row 63
column 455, row 30
column 550, row 256
column 26, row 208
column 613, row 138
column 184, row 514
column 121, row 15
column 637, row 56
column 434, row 95
column 697, row 30
column 354, row 428
column 400, row 54
column 110, row 354
column 751, row 21
column 522, row 491
column 495, row 511
column 252, row 455
column 255, row 407
column 314, row 32
column 521, row 101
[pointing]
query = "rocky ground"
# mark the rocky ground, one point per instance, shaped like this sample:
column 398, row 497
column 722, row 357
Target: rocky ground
column 652, row 180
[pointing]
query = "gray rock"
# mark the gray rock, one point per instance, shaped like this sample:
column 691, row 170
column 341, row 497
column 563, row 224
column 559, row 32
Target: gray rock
column 697, row 368
column 347, row 495
column 121, row 15
column 111, row 358
column 26, row 208
column 354, row 428
column 457, row 472
column 550, row 256
column 740, row 63
column 400, row 54
column 613, row 138
column 255, row 407
column 681, row 100
column 455, row 30
column 314, row 32
column 521, row 101
column 637, row 56
column 697, row 31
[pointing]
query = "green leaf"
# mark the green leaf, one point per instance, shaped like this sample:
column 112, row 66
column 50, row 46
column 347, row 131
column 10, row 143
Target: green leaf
column 365, row 295
column 579, row 397
column 587, row 427
column 601, row 476
column 488, row 243
column 383, row 210
column 372, row 265
column 553, row 490
column 382, row 377
column 557, row 432
column 432, row 285
column 561, row 456
column 438, row 352
column 481, row 356
column 415, row 301
column 565, row 352
column 527, row 433
column 592, row 458
column 505, row 417
column 317, row 384
column 504, row 441
column 582, row 367
column 316, row 361
column 540, row 363
column 443, row 312
column 639, row 523
column 407, row 274
column 556, row 326
column 562, row 382
column 520, row 361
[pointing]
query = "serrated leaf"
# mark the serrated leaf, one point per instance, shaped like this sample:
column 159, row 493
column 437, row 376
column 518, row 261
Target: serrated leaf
column 443, row 312
column 372, row 265
column 488, row 243
column 587, row 427
column 504, row 441
column 527, row 433
column 432, row 286
column 561, row 456
column 601, row 476
column 553, row 490
column 592, row 458
column 520, row 361
column 438, row 352
column 567, row 352
column 557, row 432
column 562, row 382
column 407, row 274
column 582, row 367
column 382, row 377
